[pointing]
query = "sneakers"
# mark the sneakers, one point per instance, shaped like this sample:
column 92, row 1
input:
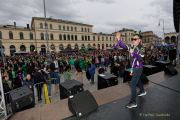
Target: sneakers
column 141, row 93
column 131, row 105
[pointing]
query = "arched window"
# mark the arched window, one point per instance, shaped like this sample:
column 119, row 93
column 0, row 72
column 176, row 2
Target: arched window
column 60, row 37
column 85, row 38
column 53, row 47
column 42, row 36
column 82, row 37
column 21, row 35
column 102, row 38
column 68, row 37
column 41, row 25
column 59, row 27
column 51, row 27
column 85, row 29
column 10, row 35
column 32, row 48
column 71, row 28
column 31, row 36
column 0, row 35
column 72, row 37
column 61, row 47
column 46, row 25
column 64, row 37
column 75, row 37
column 67, row 28
column 52, row 36
column 94, row 38
column 76, row 47
column 12, row 49
column 22, row 48
column 88, row 38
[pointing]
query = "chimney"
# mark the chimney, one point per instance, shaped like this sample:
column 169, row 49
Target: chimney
column 27, row 26
column 14, row 24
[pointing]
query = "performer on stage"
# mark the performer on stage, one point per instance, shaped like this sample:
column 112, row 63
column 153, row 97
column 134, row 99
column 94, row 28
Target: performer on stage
column 136, row 51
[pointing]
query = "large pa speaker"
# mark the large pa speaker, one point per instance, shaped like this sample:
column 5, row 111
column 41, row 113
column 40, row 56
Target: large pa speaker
column 176, row 14
column 170, row 70
column 106, row 80
column 70, row 87
column 21, row 98
column 82, row 104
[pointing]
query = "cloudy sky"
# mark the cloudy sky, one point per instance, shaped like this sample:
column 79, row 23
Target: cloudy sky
column 107, row 16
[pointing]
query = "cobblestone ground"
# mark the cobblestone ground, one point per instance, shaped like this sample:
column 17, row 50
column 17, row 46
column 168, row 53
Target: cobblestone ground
column 86, row 84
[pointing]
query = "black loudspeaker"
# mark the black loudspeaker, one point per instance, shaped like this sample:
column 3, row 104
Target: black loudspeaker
column 106, row 80
column 176, row 14
column 82, row 104
column 21, row 98
column 170, row 70
column 70, row 87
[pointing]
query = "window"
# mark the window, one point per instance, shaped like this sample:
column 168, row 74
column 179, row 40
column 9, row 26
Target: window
column 60, row 37
column 52, row 36
column 64, row 28
column 51, row 27
column 59, row 27
column 82, row 37
column 21, row 36
column 10, row 35
column 98, row 38
column 75, row 28
column 110, row 38
column 67, row 28
column 85, row 38
column 64, row 37
column 46, row 25
column 106, row 38
column 0, row 35
column 42, row 36
column 94, row 38
column 88, row 38
column 22, row 48
column 71, row 28
column 41, row 25
column 68, row 37
column 85, row 29
column 31, row 36
column 82, row 29
column 102, row 38
column 75, row 37
column 88, row 30
column 72, row 37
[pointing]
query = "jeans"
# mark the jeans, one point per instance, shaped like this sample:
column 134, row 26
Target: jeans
column 136, row 81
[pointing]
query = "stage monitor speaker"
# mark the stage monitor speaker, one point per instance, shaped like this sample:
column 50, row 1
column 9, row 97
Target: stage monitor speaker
column 170, row 70
column 82, row 104
column 21, row 98
column 70, row 87
column 176, row 14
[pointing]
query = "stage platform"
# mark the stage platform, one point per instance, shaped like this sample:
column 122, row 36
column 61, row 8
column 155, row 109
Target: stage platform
column 160, row 103
column 112, row 103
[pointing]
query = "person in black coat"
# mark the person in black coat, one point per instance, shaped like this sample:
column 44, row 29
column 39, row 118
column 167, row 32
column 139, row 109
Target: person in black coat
column 39, row 81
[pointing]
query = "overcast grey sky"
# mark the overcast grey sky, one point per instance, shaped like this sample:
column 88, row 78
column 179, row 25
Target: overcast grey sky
column 106, row 15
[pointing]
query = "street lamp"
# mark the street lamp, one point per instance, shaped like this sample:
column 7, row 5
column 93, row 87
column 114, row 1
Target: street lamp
column 46, row 27
column 163, row 27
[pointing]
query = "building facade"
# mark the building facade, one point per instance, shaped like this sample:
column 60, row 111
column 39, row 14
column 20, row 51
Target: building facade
column 61, row 34
column 171, row 37
column 149, row 39
column 127, row 35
